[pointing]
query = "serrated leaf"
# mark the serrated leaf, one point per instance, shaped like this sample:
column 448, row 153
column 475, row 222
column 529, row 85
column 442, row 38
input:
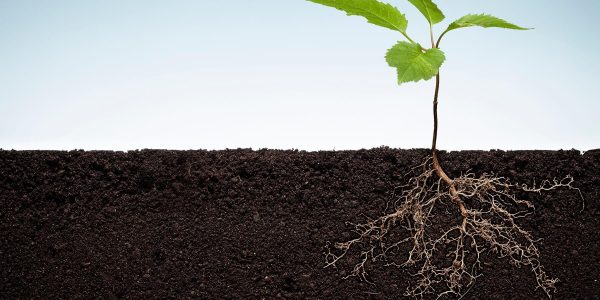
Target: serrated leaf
column 414, row 64
column 378, row 13
column 482, row 20
column 429, row 9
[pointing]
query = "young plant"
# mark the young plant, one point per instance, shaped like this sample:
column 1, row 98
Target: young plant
column 488, row 223
column 413, row 61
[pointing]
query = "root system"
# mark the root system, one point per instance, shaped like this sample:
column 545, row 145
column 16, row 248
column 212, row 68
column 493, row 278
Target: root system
column 448, row 259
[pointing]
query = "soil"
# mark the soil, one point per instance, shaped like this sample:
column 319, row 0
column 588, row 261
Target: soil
column 243, row 224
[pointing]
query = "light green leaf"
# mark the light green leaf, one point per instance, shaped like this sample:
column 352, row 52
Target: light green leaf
column 375, row 12
column 482, row 20
column 413, row 63
column 431, row 12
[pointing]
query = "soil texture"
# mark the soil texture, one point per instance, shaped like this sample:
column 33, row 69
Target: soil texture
column 243, row 224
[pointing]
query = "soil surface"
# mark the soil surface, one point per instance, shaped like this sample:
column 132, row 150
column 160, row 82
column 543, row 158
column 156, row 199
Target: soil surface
column 243, row 224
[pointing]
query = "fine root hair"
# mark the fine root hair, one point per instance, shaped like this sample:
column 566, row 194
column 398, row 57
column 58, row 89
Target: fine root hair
column 447, row 259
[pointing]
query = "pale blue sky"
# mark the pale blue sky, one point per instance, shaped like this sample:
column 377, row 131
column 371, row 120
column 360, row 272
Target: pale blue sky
column 177, row 74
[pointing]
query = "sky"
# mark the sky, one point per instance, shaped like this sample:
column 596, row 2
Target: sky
column 290, row 74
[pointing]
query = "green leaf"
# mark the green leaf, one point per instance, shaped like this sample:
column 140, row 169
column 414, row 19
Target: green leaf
column 431, row 12
column 482, row 20
column 375, row 12
column 413, row 63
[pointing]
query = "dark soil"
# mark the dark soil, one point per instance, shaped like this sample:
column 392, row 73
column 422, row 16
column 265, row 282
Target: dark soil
column 242, row 224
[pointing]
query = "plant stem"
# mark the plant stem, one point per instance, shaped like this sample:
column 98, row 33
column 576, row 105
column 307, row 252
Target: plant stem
column 437, row 45
column 436, row 162
column 431, row 35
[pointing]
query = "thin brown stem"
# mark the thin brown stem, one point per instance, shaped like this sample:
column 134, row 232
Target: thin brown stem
column 436, row 162
column 435, row 113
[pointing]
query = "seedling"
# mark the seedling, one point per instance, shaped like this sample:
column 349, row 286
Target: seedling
column 487, row 224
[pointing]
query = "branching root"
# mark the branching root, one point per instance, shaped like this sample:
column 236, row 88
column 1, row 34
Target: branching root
column 447, row 260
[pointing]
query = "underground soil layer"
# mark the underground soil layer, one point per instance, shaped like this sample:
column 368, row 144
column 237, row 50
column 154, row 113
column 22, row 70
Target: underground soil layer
column 243, row 224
